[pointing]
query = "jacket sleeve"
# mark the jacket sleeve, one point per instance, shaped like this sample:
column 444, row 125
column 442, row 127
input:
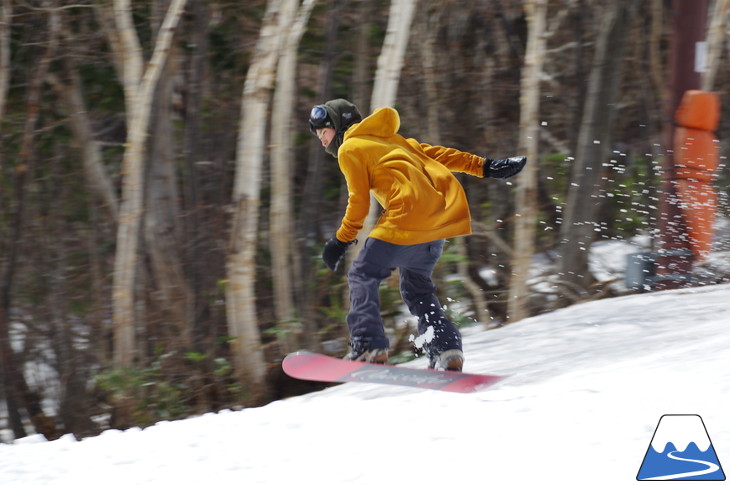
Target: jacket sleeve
column 358, row 200
column 455, row 160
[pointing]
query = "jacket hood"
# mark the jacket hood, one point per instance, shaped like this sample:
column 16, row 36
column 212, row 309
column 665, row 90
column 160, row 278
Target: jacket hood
column 384, row 122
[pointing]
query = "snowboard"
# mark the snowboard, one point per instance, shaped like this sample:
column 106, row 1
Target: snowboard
column 317, row 367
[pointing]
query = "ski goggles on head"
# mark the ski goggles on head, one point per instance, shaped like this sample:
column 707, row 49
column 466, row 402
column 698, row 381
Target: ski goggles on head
column 318, row 118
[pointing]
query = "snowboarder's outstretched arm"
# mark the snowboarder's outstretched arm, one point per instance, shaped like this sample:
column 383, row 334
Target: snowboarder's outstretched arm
column 458, row 161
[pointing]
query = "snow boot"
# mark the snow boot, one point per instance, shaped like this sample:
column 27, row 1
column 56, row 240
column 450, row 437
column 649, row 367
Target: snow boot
column 452, row 360
column 375, row 356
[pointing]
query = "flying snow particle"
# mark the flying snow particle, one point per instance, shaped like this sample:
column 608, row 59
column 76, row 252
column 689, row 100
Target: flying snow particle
column 425, row 338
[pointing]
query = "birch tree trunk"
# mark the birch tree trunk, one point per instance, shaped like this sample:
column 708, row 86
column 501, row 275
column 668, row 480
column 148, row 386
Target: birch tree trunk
column 282, row 229
column 391, row 56
column 248, row 355
column 138, row 91
column 715, row 38
column 526, row 202
column 387, row 77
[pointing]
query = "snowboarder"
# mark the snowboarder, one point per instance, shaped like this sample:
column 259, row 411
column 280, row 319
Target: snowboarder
column 423, row 204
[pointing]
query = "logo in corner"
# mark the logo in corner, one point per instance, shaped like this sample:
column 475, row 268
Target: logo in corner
column 681, row 450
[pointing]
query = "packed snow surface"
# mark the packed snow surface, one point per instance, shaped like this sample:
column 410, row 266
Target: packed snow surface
column 588, row 385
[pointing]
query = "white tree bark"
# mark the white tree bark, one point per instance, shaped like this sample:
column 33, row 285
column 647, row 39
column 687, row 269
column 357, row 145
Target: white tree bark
column 715, row 36
column 387, row 78
column 390, row 61
column 248, row 355
column 139, row 87
column 526, row 202
column 282, row 230
column 130, row 55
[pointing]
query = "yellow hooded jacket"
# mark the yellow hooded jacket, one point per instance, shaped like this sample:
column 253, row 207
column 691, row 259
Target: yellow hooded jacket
column 422, row 200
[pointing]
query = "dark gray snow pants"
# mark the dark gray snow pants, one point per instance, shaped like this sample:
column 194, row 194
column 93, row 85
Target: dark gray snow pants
column 376, row 261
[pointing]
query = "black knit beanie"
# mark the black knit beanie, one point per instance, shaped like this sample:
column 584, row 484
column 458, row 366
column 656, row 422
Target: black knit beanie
column 343, row 115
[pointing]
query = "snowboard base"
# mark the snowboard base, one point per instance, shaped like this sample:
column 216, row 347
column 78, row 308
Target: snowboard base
column 317, row 367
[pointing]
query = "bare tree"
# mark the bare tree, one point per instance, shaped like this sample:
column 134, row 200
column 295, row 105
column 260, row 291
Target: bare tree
column 243, row 320
column 311, row 215
column 172, row 302
column 715, row 37
column 97, row 178
column 594, row 140
column 139, row 86
column 391, row 56
column 17, row 393
column 427, row 32
column 6, row 13
column 526, row 202
column 282, row 230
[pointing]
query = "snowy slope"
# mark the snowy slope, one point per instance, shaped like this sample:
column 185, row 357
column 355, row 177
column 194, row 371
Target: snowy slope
column 588, row 386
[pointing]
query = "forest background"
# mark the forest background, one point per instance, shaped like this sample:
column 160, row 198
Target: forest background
column 163, row 205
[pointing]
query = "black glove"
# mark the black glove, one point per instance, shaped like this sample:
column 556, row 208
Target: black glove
column 333, row 251
column 502, row 169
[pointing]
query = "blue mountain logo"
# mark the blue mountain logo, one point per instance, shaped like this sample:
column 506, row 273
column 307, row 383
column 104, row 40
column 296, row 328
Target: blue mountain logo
column 681, row 450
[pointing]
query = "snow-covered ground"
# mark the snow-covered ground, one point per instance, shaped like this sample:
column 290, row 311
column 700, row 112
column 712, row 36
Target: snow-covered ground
column 587, row 388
